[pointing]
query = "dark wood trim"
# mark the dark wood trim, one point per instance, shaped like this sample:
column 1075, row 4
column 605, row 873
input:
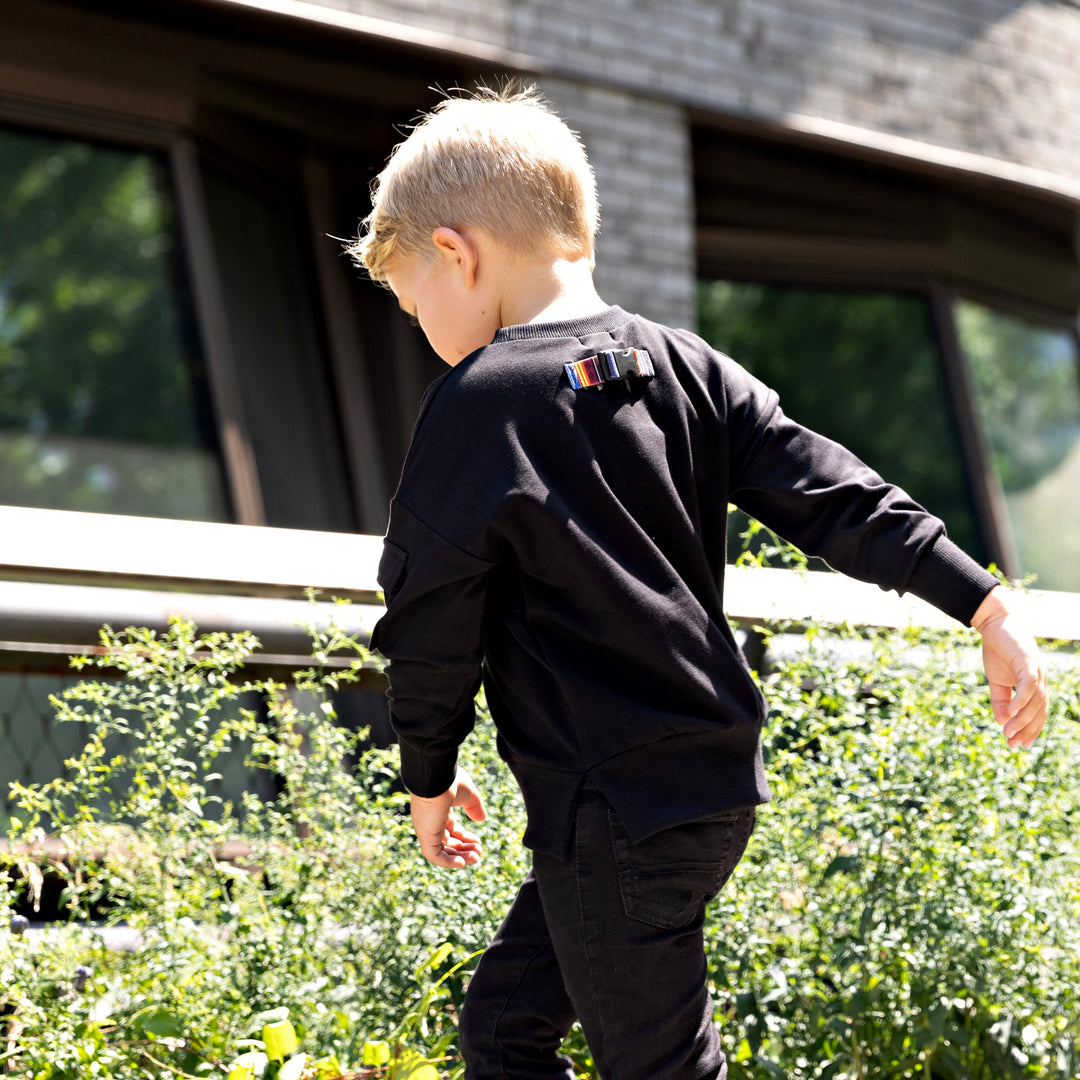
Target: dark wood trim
column 903, row 159
column 869, row 253
column 771, row 204
column 366, row 458
column 985, row 485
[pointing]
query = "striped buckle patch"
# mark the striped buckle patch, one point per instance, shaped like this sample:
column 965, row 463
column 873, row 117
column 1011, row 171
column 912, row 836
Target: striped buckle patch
column 615, row 365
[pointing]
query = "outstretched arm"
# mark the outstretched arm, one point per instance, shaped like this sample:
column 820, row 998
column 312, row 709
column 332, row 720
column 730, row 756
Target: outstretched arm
column 444, row 842
column 1014, row 670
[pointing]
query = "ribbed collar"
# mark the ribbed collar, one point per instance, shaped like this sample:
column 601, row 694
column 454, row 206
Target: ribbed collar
column 591, row 324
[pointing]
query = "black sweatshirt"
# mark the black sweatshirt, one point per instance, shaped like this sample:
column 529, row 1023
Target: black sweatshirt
column 568, row 547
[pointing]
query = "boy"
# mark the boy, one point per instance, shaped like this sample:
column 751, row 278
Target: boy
column 559, row 532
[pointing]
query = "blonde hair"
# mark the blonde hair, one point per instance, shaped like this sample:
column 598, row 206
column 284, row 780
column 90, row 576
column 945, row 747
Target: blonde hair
column 502, row 161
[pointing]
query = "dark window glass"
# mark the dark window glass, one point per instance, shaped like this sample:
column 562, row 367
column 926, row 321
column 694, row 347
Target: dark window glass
column 101, row 407
column 860, row 367
column 280, row 361
column 1026, row 379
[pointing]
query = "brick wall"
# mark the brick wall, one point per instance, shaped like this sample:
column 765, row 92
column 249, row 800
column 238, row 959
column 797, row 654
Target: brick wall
column 999, row 78
column 995, row 77
column 640, row 153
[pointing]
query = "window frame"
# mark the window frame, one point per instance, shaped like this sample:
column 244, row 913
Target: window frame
column 941, row 296
column 1008, row 560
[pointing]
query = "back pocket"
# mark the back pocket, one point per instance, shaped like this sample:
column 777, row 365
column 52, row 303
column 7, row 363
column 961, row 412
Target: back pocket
column 667, row 879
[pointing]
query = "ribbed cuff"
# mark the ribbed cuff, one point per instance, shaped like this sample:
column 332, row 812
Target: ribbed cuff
column 947, row 577
column 427, row 775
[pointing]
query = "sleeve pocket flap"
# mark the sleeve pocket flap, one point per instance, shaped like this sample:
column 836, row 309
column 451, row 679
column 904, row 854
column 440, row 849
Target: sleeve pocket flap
column 392, row 569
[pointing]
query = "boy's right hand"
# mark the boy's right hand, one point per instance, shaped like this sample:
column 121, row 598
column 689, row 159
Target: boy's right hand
column 443, row 842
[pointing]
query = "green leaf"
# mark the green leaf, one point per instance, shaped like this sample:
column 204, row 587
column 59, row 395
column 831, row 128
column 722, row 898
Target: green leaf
column 269, row 1016
column 375, row 1053
column 249, row 1066
column 771, row 1067
column 841, row 864
column 746, row 1004
column 436, row 959
column 328, row 1068
column 280, row 1040
column 409, row 1065
column 159, row 1022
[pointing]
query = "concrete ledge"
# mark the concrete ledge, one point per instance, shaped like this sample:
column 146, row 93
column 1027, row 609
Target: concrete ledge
column 64, row 574
column 200, row 556
column 753, row 594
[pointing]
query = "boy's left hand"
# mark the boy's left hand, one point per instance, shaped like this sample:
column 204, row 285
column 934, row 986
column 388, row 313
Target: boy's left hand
column 1017, row 677
column 443, row 842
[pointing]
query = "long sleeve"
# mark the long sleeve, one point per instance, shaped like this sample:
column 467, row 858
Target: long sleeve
column 432, row 634
column 821, row 497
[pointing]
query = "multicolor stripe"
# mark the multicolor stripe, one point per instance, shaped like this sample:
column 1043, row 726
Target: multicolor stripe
column 583, row 373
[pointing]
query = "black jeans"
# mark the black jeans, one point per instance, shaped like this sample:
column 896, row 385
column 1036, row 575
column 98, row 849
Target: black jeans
column 610, row 936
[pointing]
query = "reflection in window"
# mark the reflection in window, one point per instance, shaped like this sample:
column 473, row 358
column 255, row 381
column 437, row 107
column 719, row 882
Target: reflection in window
column 1027, row 396
column 860, row 367
column 99, row 409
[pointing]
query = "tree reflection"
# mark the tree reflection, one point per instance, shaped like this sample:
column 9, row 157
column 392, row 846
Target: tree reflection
column 98, row 406
column 1027, row 396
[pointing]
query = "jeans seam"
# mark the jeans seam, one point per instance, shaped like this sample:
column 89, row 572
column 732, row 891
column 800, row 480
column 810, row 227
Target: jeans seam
column 587, row 949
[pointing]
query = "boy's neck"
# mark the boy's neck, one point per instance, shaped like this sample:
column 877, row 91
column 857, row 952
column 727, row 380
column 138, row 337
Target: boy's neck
column 548, row 290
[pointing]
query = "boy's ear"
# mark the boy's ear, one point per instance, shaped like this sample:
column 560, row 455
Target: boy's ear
column 460, row 248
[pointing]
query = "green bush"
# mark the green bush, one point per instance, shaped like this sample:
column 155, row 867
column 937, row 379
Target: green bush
column 324, row 913
column 909, row 905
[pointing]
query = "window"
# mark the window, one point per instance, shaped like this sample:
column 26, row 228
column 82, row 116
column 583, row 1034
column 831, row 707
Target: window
column 277, row 356
column 1026, row 382
column 180, row 334
column 102, row 402
column 118, row 385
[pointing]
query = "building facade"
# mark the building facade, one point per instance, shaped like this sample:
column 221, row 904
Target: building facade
column 874, row 206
